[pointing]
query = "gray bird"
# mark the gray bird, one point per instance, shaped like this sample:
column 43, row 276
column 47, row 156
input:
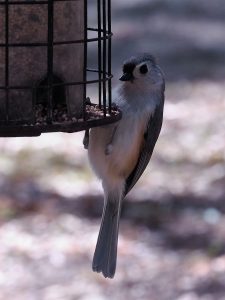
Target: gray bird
column 120, row 152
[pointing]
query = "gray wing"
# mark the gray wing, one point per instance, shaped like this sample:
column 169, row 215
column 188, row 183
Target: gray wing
column 150, row 138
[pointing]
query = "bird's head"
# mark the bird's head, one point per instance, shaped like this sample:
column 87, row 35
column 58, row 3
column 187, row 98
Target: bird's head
column 142, row 70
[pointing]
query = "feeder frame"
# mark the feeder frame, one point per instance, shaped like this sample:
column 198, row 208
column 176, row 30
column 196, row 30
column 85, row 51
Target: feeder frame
column 107, row 114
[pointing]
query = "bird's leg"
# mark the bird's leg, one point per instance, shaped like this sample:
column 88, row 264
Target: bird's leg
column 86, row 139
column 109, row 146
column 86, row 134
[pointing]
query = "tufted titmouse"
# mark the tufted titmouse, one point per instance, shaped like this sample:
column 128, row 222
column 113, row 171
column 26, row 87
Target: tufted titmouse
column 120, row 152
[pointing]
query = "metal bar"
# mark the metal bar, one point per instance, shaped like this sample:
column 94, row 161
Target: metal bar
column 50, row 59
column 104, row 55
column 40, row 44
column 30, row 2
column 25, row 87
column 99, row 53
column 109, row 57
column 7, row 58
column 85, row 59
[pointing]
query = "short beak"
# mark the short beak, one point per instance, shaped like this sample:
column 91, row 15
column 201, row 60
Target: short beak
column 126, row 77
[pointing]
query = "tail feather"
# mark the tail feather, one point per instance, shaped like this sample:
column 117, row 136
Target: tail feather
column 105, row 255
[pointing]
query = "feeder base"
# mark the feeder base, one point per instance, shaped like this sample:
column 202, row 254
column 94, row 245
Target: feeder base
column 94, row 118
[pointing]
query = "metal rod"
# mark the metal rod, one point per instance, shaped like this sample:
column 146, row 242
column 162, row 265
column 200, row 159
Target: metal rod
column 109, row 57
column 25, row 87
column 50, row 59
column 34, row 2
column 40, row 44
column 104, row 56
column 7, row 58
column 85, row 59
column 99, row 54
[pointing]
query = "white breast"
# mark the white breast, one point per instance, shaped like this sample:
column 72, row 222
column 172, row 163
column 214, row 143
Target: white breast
column 128, row 139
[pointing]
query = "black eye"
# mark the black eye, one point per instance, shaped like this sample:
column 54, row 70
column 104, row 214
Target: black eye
column 143, row 69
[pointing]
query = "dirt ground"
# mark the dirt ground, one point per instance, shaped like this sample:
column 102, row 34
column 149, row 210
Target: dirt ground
column 172, row 234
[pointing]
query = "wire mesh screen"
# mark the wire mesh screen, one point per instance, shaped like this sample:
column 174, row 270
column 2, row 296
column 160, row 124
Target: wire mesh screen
column 45, row 48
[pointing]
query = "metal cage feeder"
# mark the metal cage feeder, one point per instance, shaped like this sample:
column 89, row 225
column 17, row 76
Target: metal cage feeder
column 44, row 66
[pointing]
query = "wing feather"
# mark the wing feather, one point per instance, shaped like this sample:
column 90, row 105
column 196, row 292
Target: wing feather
column 150, row 138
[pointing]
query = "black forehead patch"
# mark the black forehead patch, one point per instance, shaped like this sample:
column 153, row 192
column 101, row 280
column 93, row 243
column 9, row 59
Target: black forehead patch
column 131, row 63
column 128, row 67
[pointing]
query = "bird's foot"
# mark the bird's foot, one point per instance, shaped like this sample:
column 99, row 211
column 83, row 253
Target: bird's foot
column 86, row 139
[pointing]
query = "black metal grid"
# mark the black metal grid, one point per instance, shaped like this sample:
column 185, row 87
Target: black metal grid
column 103, row 73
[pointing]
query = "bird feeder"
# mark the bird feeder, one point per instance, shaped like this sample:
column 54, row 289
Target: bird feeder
column 45, row 50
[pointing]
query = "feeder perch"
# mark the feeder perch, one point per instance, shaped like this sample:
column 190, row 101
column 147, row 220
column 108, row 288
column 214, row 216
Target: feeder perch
column 46, row 47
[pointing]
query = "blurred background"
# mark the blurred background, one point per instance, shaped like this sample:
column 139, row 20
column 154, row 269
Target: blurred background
column 172, row 233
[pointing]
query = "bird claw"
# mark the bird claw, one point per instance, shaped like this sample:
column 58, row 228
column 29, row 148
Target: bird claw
column 86, row 139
